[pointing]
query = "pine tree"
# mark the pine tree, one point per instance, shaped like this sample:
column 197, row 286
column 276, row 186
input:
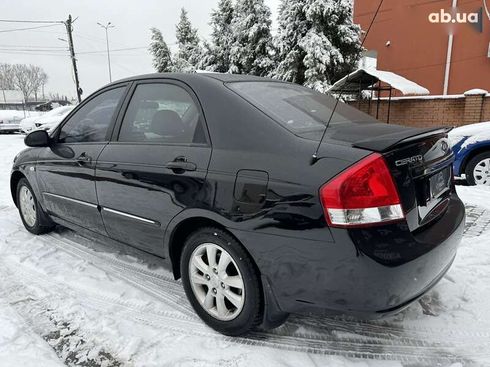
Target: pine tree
column 317, row 42
column 190, row 52
column 217, row 54
column 252, row 41
column 293, row 26
column 208, row 60
column 162, row 59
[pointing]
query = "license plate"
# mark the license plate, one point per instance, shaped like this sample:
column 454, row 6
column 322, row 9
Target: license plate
column 440, row 183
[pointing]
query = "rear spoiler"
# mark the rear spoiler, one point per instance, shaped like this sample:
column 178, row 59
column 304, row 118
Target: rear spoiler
column 384, row 143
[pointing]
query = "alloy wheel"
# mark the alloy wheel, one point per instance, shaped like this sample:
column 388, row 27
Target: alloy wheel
column 27, row 206
column 481, row 172
column 216, row 281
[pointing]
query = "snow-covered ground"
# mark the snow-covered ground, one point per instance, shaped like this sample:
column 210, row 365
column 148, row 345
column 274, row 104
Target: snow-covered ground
column 65, row 299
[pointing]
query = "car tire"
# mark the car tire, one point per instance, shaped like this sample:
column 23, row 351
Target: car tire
column 481, row 163
column 33, row 217
column 212, row 284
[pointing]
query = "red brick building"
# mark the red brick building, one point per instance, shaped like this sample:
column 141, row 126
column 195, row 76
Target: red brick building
column 409, row 39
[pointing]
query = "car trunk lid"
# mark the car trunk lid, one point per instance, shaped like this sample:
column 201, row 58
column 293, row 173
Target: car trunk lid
column 422, row 168
column 421, row 165
column 419, row 159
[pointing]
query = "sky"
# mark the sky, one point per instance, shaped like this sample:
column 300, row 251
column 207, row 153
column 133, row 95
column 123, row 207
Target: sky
column 132, row 21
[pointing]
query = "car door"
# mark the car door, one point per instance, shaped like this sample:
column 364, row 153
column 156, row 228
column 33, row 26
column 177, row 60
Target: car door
column 66, row 169
column 155, row 166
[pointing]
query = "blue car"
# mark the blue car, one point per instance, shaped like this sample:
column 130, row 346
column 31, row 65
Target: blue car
column 471, row 147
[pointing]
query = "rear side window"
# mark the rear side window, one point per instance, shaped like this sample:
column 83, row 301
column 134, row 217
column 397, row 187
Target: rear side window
column 162, row 113
column 297, row 108
column 91, row 122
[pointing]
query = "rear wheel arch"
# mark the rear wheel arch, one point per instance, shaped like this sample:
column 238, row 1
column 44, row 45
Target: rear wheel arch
column 187, row 227
column 473, row 153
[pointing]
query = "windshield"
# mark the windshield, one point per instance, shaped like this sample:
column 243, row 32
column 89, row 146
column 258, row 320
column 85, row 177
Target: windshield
column 297, row 108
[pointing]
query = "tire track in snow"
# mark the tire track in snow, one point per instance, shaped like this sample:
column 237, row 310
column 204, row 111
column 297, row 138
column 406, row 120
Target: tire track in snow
column 357, row 346
column 364, row 350
column 73, row 348
column 373, row 328
column 477, row 221
column 335, row 337
column 161, row 289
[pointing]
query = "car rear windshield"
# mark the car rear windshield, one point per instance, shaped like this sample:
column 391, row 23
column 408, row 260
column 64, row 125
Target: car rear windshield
column 297, row 108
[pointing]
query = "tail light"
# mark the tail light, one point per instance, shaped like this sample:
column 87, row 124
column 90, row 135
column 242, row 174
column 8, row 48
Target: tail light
column 363, row 195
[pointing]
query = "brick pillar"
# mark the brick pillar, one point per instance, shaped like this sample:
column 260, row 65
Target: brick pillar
column 473, row 107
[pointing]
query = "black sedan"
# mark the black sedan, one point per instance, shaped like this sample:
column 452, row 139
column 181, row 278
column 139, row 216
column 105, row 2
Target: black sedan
column 214, row 174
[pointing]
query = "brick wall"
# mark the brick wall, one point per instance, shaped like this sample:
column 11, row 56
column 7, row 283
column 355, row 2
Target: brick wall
column 486, row 109
column 435, row 111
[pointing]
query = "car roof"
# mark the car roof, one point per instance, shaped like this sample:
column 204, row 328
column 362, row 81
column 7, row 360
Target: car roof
column 190, row 77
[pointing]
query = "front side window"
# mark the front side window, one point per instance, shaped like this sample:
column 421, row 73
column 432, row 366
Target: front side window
column 162, row 113
column 91, row 122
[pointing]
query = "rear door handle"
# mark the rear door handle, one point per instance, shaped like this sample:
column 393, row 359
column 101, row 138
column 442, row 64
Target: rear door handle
column 180, row 165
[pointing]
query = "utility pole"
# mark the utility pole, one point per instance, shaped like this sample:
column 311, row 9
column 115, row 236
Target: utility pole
column 106, row 27
column 69, row 30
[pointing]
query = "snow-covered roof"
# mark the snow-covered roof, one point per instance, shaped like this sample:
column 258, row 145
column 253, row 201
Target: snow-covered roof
column 367, row 77
column 475, row 92
column 472, row 129
column 475, row 133
column 11, row 96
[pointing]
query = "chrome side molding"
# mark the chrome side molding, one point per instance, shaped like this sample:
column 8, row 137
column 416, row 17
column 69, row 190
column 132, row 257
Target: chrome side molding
column 109, row 210
column 72, row 200
column 130, row 216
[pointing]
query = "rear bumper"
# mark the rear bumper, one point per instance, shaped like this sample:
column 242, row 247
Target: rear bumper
column 365, row 272
column 399, row 307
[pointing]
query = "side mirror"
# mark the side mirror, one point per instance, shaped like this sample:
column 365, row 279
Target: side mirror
column 37, row 138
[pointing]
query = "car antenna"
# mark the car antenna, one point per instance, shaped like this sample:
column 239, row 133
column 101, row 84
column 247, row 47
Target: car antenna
column 314, row 157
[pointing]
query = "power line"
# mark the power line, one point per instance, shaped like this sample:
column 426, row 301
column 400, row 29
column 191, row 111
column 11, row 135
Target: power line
column 114, row 50
column 91, row 38
column 27, row 29
column 120, row 49
column 31, row 46
column 30, row 53
column 37, row 52
column 30, row 21
column 32, row 50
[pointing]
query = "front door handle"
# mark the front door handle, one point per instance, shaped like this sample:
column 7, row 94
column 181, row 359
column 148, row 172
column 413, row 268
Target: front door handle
column 181, row 165
column 84, row 158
